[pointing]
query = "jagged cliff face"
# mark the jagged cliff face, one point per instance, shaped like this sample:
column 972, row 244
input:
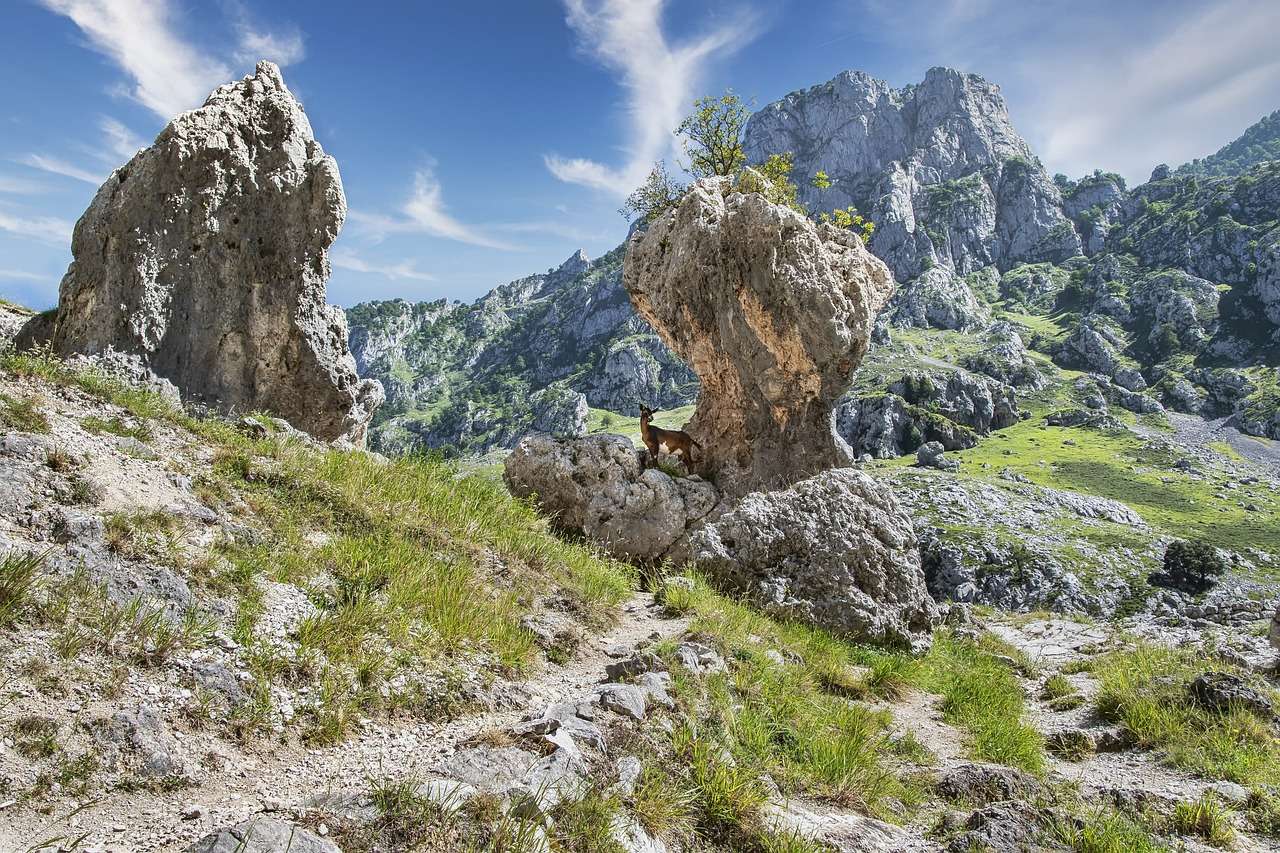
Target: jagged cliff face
column 530, row 355
column 937, row 166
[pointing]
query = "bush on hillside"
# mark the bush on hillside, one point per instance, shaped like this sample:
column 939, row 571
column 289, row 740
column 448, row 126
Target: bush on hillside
column 1192, row 564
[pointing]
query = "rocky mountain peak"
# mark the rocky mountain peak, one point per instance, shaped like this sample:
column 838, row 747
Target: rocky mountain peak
column 937, row 165
column 576, row 264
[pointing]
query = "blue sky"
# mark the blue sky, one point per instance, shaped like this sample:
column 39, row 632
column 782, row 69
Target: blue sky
column 479, row 142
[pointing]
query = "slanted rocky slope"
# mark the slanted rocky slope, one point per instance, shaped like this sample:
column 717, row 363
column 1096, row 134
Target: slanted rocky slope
column 205, row 257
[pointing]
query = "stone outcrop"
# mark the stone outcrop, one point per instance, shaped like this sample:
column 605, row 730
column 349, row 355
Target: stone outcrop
column 772, row 312
column 1005, row 358
column 939, row 299
column 835, row 550
column 207, row 254
column 885, row 425
column 264, row 834
column 597, row 486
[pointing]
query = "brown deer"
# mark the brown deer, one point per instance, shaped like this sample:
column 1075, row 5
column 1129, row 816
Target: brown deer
column 676, row 441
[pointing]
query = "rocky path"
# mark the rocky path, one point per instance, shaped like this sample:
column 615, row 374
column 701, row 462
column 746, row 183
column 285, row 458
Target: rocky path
column 1112, row 768
column 290, row 778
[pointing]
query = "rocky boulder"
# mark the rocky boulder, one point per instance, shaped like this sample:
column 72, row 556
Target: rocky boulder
column 597, row 486
column 560, row 412
column 262, row 834
column 207, row 254
column 772, row 312
column 977, row 402
column 835, row 550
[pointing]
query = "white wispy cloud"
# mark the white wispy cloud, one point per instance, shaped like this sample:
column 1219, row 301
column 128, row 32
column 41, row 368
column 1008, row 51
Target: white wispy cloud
column 1096, row 84
column 120, row 143
column 21, row 275
column 20, row 186
column 47, row 229
column 117, row 146
column 425, row 213
column 283, row 47
column 170, row 75
column 555, row 229
column 660, row 79
column 1189, row 87
column 56, row 166
column 348, row 260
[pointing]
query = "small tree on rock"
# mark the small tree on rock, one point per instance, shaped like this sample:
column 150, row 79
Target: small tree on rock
column 658, row 194
column 713, row 135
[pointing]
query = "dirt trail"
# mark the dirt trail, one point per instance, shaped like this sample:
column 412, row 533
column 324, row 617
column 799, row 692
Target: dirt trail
column 290, row 776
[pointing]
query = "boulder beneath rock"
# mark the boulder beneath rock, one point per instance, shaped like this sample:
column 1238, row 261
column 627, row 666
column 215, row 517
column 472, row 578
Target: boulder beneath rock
column 598, row 487
column 772, row 312
column 983, row 784
column 836, row 550
column 206, row 256
column 1223, row 692
column 264, row 835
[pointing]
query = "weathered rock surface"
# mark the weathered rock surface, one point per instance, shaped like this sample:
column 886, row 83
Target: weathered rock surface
column 939, row 299
column 772, row 312
column 835, row 550
column 885, row 425
column 598, row 487
column 206, row 255
column 264, row 834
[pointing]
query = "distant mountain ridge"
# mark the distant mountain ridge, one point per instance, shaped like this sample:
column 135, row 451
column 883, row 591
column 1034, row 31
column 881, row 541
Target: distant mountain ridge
column 1179, row 279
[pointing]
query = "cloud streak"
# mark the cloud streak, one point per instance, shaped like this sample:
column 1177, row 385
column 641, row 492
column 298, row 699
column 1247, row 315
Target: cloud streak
column 120, row 142
column 425, row 213
column 46, row 229
column 658, row 76
column 347, row 260
column 57, row 166
column 21, row 275
column 169, row 74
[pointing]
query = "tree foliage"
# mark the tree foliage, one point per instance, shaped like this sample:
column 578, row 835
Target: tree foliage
column 658, row 194
column 712, row 139
column 1193, row 563
column 712, row 135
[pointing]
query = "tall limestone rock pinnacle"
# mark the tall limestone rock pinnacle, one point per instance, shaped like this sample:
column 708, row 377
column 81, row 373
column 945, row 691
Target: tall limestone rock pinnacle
column 937, row 166
column 206, row 257
column 772, row 312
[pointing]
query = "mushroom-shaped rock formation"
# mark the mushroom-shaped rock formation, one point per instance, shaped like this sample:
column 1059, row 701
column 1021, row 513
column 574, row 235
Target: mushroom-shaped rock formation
column 773, row 313
column 206, row 256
